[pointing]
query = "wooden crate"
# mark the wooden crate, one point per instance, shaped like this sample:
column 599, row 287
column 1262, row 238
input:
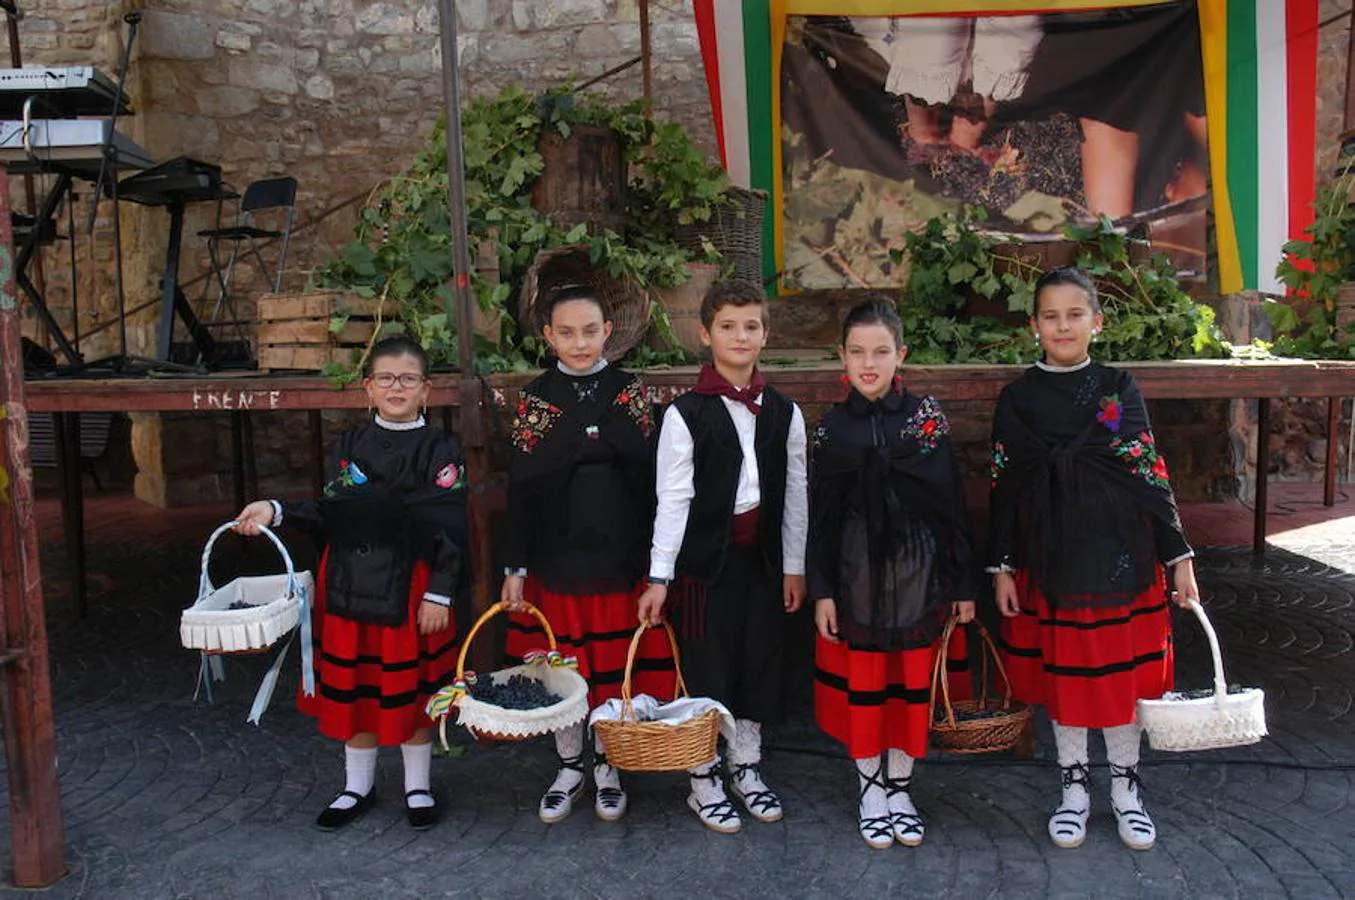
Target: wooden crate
column 294, row 330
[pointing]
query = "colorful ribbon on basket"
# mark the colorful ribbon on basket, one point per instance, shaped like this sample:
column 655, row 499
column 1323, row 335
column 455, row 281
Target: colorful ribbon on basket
column 553, row 658
column 440, row 704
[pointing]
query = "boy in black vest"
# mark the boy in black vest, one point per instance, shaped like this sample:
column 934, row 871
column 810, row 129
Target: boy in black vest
column 729, row 542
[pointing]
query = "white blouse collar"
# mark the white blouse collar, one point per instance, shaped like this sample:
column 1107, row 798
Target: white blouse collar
column 1046, row 367
column 399, row 426
column 591, row 370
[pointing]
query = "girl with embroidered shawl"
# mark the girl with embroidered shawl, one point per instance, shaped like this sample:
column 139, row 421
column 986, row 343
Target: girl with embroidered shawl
column 1084, row 527
column 392, row 522
column 580, row 507
column 890, row 558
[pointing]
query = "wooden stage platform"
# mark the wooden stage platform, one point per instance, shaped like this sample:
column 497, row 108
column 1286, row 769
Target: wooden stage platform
column 239, row 394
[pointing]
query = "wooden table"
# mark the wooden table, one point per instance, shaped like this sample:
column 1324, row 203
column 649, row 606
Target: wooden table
column 241, row 393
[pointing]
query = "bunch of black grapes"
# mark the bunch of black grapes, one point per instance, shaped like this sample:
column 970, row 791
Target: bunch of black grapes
column 1051, row 150
column 517, row 692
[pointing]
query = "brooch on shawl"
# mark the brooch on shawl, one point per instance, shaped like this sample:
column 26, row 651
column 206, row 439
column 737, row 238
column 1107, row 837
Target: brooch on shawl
column 1143, row 459
column 928, row 426
column 1112, row 411
column 534, row 418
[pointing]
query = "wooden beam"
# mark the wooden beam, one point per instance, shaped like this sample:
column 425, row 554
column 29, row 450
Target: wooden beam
column 812, row 383
column 1348, row 120
column 646, row 51
column 37, row 832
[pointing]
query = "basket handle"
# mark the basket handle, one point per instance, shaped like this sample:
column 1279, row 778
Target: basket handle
column 1220, row 683
column 205, row 585
column 493, row 610
column 679, row 685
column 987, row 651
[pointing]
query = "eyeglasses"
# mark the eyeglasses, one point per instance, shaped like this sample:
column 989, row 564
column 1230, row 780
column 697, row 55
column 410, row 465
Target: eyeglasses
column 408, row 380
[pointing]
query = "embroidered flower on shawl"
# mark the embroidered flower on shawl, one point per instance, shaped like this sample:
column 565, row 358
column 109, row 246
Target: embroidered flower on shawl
column 1112, row 412
column 535, row 417
column 635, row 404
column 450, row 476
column 928, row 426
column 1141, row 454
column 349, row 475
column 998, row 463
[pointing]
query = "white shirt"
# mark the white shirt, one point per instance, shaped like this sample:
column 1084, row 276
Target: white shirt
column 675, row 487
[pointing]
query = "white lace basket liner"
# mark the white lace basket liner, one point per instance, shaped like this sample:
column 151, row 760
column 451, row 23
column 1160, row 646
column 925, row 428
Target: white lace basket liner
column 1207, row 723
column 558, row 674
column 277, row 604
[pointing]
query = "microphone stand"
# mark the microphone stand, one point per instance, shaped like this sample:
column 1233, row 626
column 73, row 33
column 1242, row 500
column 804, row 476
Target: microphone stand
column 108, row 172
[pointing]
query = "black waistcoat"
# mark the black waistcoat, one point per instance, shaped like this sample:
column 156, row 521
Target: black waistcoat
column 717, row 459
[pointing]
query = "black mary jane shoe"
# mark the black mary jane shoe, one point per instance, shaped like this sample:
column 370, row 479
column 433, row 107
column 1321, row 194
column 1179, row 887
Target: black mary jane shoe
column 422, row 817
column 332, row 818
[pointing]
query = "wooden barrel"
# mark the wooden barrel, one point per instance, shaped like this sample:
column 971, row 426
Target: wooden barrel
column 584, row 177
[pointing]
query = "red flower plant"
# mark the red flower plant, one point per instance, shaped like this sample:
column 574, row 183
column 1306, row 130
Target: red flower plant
column 929, row 427
column 1160, row 468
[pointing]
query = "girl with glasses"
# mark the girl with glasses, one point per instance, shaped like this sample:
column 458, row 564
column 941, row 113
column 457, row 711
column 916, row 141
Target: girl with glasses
column 392, row 522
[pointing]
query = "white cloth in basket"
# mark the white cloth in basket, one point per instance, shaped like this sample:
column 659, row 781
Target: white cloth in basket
column 672, row 712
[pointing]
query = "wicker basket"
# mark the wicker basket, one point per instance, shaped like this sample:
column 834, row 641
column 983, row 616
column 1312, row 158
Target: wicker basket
column 625, row 303
column 735, row 230
column 1176, row 722
column 495, row 723
column 1001, row 730
column 657, row 746
column 267, row 606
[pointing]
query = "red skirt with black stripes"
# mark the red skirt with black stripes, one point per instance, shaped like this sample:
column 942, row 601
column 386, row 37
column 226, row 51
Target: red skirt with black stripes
column 877, row 700
column 1089, row 667
column 597, row 630
column 376, row 679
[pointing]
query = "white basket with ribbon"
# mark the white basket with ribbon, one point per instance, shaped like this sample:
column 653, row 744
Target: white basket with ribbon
column 1179, row 722
column 557, row 673
column 249, row 615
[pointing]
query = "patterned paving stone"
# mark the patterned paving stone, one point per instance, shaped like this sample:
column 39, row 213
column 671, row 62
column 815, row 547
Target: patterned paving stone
column 167, row 798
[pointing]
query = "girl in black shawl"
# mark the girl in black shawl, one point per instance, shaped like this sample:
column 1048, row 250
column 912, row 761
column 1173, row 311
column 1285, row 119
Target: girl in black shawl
column 392, row 521
column 580, row 507
column 1083, row 524
column 889, row 559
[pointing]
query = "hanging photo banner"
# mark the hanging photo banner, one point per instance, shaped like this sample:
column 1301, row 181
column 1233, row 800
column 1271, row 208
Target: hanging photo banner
column 863, row 123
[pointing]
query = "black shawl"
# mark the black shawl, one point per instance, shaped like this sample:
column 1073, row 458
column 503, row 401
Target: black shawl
column 889, row 534
column 581, row 489
column 1081, row 498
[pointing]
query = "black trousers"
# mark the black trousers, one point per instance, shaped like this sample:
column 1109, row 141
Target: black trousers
column 737, row 657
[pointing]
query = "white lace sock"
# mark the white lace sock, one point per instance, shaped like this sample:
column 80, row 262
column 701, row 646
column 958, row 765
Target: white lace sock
column 706, row 789
column 605, row 774
column 909, row 829
column 569, row 747
column 1122, row 750
column 359, row 775
column 418, row 762
column 1068, row 824
column 1135, row 826
column 1071, row 743
column 873, row 799
column 746, row 748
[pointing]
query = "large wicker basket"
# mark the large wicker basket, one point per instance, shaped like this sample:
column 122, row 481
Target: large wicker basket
column 495, row 723
column 657, row 746
column 953, row 731
column 624, row 302
column 1177, row 722
column 735, row 230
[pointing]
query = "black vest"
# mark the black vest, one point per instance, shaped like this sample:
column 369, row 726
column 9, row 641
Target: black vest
column 717, row 459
